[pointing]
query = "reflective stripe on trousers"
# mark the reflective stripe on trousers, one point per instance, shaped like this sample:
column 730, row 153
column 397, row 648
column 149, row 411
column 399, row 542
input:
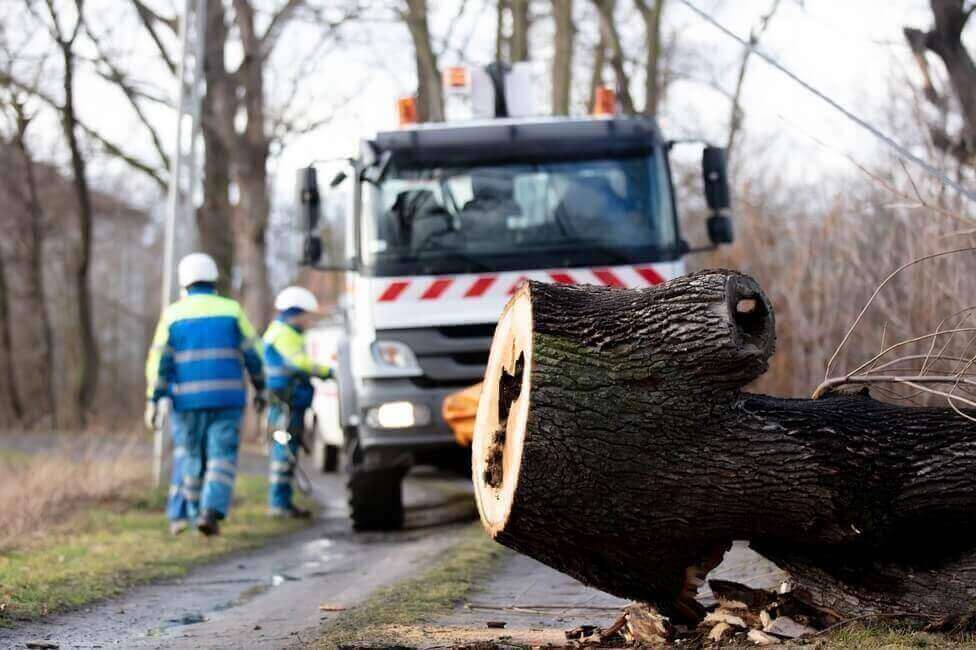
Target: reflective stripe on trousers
column 210, row 437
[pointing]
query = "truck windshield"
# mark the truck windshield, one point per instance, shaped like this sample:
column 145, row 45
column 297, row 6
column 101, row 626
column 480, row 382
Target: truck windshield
column 520, row 216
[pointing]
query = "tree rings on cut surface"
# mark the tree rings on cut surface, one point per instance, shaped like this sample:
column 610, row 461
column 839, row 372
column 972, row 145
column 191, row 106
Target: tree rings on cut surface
column 499, row 429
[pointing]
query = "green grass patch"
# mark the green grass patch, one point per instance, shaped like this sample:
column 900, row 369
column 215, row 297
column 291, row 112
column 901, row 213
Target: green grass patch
column 422, row 599
column 894, row 634
column 109, row 547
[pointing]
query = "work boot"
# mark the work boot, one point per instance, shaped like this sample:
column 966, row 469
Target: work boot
column 292, row 511
column 208, row 523
column 178, row 526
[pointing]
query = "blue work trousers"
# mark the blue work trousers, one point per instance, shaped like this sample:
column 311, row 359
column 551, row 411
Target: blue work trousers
column 284, row 457
column 205, row 444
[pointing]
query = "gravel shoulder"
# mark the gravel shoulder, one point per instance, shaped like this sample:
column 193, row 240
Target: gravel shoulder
column 270, row 598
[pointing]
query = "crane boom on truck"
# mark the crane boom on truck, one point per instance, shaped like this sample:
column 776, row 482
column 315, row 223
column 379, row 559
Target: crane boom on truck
column 445, row 221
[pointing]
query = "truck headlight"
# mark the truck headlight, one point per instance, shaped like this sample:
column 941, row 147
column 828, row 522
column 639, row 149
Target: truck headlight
column 393, row 354
column 398, row 415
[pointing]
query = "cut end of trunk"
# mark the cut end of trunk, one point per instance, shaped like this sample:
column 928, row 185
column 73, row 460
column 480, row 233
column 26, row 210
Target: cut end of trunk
column 503, row 410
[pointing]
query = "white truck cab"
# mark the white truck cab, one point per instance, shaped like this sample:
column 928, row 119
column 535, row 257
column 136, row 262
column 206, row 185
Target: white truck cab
column 446, row 221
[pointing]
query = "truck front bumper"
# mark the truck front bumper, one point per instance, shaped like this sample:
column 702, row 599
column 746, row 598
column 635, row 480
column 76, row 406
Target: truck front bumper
column 429, row 432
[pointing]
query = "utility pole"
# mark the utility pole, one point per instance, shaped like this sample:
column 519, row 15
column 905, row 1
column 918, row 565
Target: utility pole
column 184, row 173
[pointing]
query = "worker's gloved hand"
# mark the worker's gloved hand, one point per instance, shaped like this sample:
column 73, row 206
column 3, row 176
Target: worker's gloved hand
column 260, row 401
column 155, row 414
column 149, row 417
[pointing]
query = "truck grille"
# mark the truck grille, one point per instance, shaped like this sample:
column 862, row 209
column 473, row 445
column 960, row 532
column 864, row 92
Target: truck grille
column 450, row 356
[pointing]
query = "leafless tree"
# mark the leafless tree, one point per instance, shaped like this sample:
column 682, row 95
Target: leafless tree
column 26, row 227
column 944, row 39
column 512, row 45
column 239, row 129
column 64, row 30
column 652, row 13
column 430, row 89
column 618, row 60
column 736, row 113
column 562, row 62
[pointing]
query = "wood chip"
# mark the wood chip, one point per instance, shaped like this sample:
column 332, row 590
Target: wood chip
column 761, row 638
column 720, row 632
column 645, row 625
column 786, row 627
column 720, row 616
column 327, row 607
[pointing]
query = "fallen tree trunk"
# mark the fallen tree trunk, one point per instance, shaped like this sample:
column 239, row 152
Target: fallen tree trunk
column 613, row 443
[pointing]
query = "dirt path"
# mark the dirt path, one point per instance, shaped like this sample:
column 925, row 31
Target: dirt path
column 538, row 604
column 270, row 598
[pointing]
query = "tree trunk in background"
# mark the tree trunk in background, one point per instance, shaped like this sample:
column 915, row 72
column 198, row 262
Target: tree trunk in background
column 6, row 344
column 41, row 366
column 608, row 30
column 653, row 75
column 215, row 216
column 86, row 383
column 735, row 111
column 251, row 150
column 562, row 62
column 521, row 23
column 430, row 90
column 945, row 40
column 613, row 443
column 501, row 42
column 596, row 76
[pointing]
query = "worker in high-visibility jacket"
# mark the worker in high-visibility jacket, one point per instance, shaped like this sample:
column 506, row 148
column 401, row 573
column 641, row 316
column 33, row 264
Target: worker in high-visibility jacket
column 202, row 346
column 290, row 370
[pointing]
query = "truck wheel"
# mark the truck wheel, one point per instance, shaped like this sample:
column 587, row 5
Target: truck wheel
column 330, row 462
column 325, row 456
column 375, row 495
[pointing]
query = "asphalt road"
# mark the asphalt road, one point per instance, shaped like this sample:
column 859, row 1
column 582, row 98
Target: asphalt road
column 271, row 598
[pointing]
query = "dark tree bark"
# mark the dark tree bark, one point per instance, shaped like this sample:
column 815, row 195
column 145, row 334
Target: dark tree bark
column 30, row 258
column 654, row 82
column 945, row 40
column 6, row 345
column 86, row 386
column 596, row 74
column 215, row 216
column 562, row 62
column 613, row 443
column 735, row 110
column 252, row 147
column 610, row 33
column 521, row 22
column 430, row 89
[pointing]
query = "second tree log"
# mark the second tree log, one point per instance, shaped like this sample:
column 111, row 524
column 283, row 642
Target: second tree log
column 613, row 442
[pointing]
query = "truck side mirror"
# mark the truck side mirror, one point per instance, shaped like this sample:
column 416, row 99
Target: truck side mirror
column 717, row 195
column 310, row 209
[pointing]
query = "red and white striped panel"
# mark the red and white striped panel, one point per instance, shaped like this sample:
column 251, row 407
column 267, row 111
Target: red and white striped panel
column 501, row 285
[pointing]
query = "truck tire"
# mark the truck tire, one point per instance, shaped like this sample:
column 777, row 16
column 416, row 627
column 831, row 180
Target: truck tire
column 375, row 494
column 330, row 460
column 325, row 456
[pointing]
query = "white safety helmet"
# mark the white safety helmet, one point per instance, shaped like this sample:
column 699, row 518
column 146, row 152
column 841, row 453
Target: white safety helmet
column 196, row 267
column 296, row 298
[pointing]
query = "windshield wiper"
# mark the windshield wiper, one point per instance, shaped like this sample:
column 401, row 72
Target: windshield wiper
column 473, row 262
column 584, row 246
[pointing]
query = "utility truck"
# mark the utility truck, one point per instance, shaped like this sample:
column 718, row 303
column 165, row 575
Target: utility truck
column 445, row 221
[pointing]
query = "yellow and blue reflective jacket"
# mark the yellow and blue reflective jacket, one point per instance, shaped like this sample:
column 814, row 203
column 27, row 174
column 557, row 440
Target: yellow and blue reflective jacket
column 289, row 366
column 202, row 345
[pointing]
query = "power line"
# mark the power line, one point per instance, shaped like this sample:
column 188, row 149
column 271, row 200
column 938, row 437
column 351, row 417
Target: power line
column 899, row 150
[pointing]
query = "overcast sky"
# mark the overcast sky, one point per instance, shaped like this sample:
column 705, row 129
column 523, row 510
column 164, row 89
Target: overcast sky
column 852, row 50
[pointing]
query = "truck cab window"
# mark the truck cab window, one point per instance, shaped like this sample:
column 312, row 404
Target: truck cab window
column 450, row 219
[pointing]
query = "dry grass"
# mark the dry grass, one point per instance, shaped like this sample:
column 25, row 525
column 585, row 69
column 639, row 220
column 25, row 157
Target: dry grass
column 819, row 257
column 41, row 491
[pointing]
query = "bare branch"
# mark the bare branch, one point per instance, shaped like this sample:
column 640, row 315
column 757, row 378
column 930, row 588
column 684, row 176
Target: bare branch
column 149, row 20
